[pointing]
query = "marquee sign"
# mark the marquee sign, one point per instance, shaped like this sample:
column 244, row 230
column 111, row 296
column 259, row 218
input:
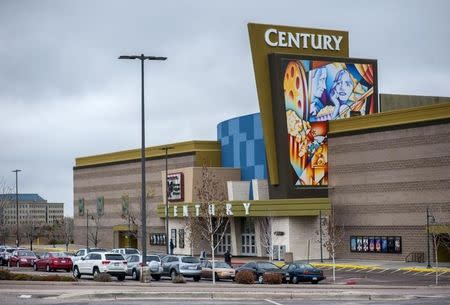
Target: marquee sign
column 267, row 39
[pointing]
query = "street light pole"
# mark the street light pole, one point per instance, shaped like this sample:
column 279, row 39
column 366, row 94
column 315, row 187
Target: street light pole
column 17, row 207
column 428, row 237
column 166, row 148
column 142, row 58
column 87, row 229
column 320, row 230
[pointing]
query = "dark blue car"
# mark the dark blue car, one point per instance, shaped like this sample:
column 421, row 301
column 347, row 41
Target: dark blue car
column 300, row 272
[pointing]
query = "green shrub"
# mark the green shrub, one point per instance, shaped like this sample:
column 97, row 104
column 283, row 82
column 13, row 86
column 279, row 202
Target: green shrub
column 102, row 277
column 179, row 279
column 5, row 275
column 22, row 277
column 245, row 277
column 54, row 278
column 272, row 278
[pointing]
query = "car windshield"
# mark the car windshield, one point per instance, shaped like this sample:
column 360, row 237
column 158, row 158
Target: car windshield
column 221, row 265
column 153, row 258
column 10, row 250
column 114, row 257
column 26, row 253
column 267, row 266
column 131, row 251
column 190, row 260
column 96, row 250
column 58, row 254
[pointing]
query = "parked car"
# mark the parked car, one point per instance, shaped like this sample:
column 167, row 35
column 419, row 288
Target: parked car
column 6, row 254
column 53, row 261
column 22, row 258
column 222, row 270
column 83, row 252
column 126, row 251
column 188, row 266
column 135, row 264
column 300, row 272
column 259, row 268
column 97, row 262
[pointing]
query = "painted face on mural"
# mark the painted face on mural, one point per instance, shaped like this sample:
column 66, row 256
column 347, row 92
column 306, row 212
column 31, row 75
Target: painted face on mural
column 319, row 82
column 343, row 85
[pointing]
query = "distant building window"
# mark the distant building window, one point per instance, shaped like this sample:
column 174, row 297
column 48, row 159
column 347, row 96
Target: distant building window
column 100, row 205
column 81, row 207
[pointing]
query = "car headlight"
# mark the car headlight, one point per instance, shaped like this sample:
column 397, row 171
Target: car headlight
column 23, row 260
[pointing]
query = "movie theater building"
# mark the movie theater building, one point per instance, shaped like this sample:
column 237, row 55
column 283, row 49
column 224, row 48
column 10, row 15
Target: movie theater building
column 324, row 143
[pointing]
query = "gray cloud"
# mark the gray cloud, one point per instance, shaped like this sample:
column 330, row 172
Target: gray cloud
column 64, row 94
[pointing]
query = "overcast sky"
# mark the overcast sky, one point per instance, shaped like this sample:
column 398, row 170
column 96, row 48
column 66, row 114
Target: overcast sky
column 64, row 94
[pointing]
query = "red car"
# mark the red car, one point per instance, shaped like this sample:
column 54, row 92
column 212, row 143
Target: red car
column 53, row 261
column 22, row 258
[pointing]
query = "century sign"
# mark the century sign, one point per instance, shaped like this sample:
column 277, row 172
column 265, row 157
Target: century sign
column 275, row 38
column 211, row 209
column 269, row 39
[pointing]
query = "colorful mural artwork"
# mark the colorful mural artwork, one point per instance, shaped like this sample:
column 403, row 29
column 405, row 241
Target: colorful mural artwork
column 317, row 91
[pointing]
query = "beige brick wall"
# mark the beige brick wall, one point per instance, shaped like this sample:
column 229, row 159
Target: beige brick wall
column 381, row 184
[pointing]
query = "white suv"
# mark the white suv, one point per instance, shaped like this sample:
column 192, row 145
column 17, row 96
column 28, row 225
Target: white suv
column 97, row 262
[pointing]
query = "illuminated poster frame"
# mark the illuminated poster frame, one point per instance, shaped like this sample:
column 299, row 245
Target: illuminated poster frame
column 303, row 168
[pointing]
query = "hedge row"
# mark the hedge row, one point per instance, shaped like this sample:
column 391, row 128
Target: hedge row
column 7, row 275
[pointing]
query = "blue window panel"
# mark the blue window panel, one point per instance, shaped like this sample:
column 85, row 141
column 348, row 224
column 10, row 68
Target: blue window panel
column 247, row 173
column 227, row 155
column 236, row 151
column 260, row 153
column 260, row 172
column 225, row 141
column 224, row 129
column 250, row 152
column 242, row 137
column 257, row 126
column 246, row 125
column 242, row 153
column 233, row 127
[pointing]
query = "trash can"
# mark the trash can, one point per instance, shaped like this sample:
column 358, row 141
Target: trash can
column 288, row 257
column 145, row 274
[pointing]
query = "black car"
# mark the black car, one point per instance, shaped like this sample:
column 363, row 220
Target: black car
column 300, row 272
column 259, row 268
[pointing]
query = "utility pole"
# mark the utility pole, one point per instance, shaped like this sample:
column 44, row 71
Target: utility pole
column 320, row 233
column 87, row 229
column 17, row 207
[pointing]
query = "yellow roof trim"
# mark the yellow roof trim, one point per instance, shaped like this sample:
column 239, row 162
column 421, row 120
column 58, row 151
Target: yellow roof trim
column 150, row 152
column 391, row 118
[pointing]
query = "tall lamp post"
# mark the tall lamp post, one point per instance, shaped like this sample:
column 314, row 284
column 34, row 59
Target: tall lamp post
column 428, row 235
column 142, row 58
column 17, row 206
column 166, row 148
column 321, row 219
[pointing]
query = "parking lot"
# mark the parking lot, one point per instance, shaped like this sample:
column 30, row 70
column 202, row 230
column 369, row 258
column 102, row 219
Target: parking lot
column 344, row 275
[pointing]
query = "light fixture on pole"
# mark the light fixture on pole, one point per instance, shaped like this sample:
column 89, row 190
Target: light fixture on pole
column 142, row 58
column 166, row 148
column 17, row 207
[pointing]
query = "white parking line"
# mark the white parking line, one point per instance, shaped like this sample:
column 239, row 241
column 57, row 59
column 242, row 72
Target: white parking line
column 407, row 272
column 372, row 270
column 430, row 273
column 349, row 270
column 384, row 270
column 273, row 302
column 396, row 271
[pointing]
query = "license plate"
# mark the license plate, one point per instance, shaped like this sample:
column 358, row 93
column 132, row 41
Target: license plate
column 116, row 264
column 192, row 267
column 314, row 278
column 63, row 262
column 287, row 278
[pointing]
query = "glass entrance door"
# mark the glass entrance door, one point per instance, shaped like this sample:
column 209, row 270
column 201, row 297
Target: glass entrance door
column 225, row 243
column 248, row 246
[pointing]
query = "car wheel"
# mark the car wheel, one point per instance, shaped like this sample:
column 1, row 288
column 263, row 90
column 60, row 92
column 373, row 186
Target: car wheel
column 173, row 274
column 121, row 277
column 34, row 267
column 196, row 278
column 76, row 272
column 47, row 268
column 1, row 261
column 134, row 275
column 68, row 270
column 156, row 277
column 260, row 279
column 216, row 276
column 18, row 264
column 294, row 279
column 95, row 272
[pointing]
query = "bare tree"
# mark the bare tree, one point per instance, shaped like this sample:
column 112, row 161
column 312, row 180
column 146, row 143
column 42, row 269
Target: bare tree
column 266, row 234
column 440, row 235
column 333, row 234
column 94, row 232
column 54, row 232
column 5, row 201
column 210, row 220
column 67, row 231
column 32, row 229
